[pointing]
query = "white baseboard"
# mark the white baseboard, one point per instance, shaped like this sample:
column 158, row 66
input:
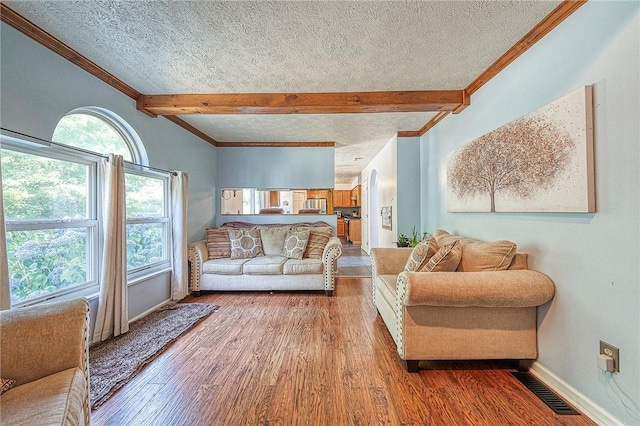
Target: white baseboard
column 573, row 396
column 148, row 311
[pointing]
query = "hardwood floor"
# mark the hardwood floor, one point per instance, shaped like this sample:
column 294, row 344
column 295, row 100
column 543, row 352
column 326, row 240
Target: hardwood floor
column 307, row 359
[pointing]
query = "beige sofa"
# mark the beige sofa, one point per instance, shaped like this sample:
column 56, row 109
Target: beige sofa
column 212, row 269
column 475, row 312
column 44, row 349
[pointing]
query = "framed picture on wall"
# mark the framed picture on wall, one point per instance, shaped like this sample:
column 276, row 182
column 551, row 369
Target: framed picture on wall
column 540, row 162
column 385, row 212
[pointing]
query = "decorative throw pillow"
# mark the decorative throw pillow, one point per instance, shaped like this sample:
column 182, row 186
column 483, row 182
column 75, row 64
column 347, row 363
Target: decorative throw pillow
column 446, row 259
column 295, row 243
column 481, row 256
column 6, row 384
column 245, row 243
column 316, row 244
column 443, row 238
column 421, row 254
column 272, row 238
column 218, row 243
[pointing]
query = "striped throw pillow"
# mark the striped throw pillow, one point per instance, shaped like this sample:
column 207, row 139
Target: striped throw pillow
column 218, row 243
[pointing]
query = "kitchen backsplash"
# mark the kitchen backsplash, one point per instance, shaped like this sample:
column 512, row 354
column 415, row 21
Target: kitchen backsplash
column 348, row 211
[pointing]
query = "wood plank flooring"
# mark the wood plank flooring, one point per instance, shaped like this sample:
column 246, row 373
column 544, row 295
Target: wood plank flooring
column 306, row 359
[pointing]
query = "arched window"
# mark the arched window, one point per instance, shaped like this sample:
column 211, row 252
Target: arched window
column 51, row 198
column 101, row 131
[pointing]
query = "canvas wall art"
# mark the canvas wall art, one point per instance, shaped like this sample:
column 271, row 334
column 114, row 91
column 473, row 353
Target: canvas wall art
column 541, row 162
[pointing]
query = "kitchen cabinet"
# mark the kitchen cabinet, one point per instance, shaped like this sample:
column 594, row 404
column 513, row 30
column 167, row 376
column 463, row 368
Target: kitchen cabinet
column 356, row 194
column 341, row 198
column 355, row 231
column 342, row 228
column 317, row 193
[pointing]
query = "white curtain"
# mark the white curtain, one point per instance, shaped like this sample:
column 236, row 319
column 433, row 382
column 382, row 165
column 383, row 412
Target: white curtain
column 178, row 183
column 5, row 293
column 113, row 317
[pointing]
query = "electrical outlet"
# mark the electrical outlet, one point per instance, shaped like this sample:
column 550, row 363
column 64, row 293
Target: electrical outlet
column 613, row 352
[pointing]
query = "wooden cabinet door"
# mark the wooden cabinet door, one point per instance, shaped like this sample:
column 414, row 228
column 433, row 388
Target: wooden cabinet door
column 355, row 231
column 274, row 199
column 336, row 198
column 316, row 193
column 356, row 193
column 342, row 229
column 346, row 198
column 339, row 198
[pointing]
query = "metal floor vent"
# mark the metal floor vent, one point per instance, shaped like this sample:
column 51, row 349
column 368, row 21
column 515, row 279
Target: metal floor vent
column 545, row 394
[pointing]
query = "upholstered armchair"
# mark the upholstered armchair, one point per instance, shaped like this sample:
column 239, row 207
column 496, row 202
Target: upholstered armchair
column 45, row 351
column 484, row 307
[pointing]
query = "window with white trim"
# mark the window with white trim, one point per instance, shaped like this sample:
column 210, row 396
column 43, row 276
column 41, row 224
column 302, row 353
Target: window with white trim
column 51, row 200
column 51, row 222
column 147, row 222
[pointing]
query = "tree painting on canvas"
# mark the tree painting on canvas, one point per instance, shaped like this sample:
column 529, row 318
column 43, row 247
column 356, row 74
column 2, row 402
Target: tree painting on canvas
column 542, row 162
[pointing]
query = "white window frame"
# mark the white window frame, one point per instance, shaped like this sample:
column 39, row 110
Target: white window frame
column 95, row 237
column 140, row 273
column 121, row 127
column 91, row 222
column 140, row 166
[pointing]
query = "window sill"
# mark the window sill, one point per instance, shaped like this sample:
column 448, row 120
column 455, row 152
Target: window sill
column 89, row 293
column 149, row 274
column 93, row 292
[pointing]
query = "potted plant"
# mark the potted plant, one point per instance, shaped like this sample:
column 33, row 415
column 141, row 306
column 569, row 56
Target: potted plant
column 403, row 241
column 413, row 240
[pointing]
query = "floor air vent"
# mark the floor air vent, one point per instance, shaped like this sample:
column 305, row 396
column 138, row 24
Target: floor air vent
column 547, row 396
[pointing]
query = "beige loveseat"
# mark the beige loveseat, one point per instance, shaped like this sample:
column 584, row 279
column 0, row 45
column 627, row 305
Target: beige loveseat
column 44, row 349
column 485, row 309
column 213, row 268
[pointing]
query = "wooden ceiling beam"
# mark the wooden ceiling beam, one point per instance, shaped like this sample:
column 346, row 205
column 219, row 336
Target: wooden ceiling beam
column 302, row 103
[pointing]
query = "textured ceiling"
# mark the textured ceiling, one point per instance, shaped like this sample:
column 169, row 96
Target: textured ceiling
column 161, row 47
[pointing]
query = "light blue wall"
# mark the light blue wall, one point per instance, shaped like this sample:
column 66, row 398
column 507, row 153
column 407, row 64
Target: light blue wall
column 409, row 186
column 276, row 168
column 38, row 87
column 592, row 258
column 307, row 167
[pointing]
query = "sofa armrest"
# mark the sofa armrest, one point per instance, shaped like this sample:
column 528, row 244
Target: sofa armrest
column 40, row 340
column 197, row 254
column 387, row 261
column 332, row 251
column 513, row 289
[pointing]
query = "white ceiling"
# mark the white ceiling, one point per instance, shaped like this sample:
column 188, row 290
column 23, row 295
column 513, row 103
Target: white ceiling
column 163, row 47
